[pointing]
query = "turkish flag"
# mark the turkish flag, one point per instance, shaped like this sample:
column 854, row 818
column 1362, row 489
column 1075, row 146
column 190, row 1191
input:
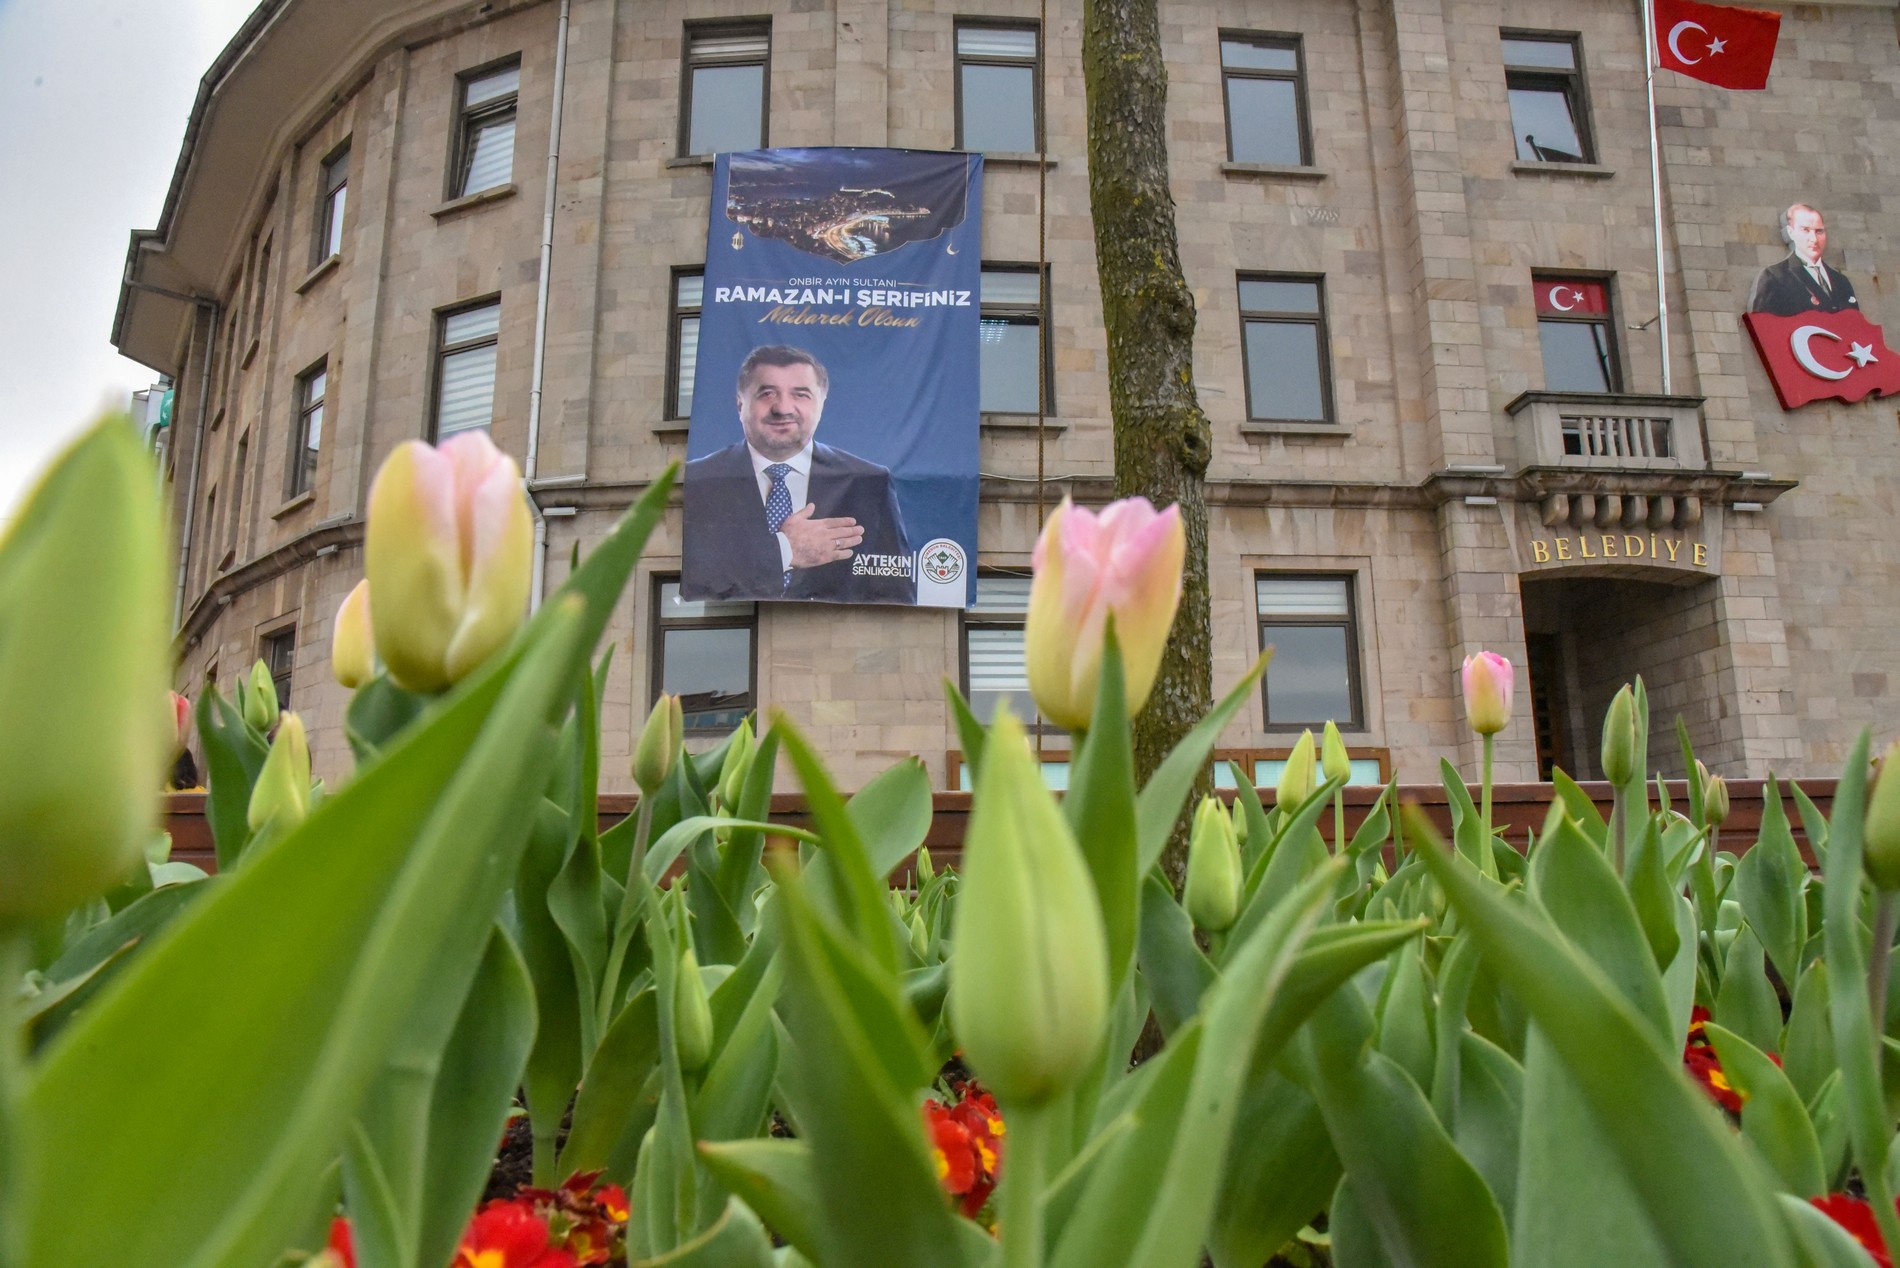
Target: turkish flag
column 1820, row 356
column 1727, row 47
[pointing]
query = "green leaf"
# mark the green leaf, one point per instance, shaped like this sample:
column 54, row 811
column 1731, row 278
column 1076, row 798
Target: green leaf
column 1161, row 798
column 1652, row 893
column 378, row 711
column 234, row 754
column 1175, row 969
column 774, row 1178
column 1747, row 1003
column 1807, row 1041
column 1259, row 832
column 735, row 1098
column 1100, row 806
column 1773, row 1118
column 1280, row 1170
column 1827, row 1244
column 471, row 1096
column 1705, row 1200
column 842, row 872
column 611, row 1114
column 554, row 1066
column 1405, row 1026
column 1577, row 887
column 1769, row 882
column 1488, row 1131
column 1813, row 823
column 971, row 733
column 1467, row 830
column 735, row 1240
column 739, row 864
column 1580, row 806
column 86, row 966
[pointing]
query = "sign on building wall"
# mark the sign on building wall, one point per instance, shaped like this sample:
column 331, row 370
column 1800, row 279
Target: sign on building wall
column 1805, row 319
column 833, row 448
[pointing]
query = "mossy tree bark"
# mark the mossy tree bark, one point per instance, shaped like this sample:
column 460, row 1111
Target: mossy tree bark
column 1162, row 439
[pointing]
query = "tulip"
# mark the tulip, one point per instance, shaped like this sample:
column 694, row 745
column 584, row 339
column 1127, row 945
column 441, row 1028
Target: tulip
column 1334, row 761
column 919, row 936
column 181, row 723
column 692, row 1015
column 1488, row 682
column 85, row 652
column 352, row 640
column 1714, row 796
column 447, row 555
column 1125, row 562
column 732, row 771
column 281, row 794
column 1881, row 832
column 661, row 741
column 260, row 698
column 1296, row 777
column 1619, row 738
column 1212, row 894
column 1028, row 993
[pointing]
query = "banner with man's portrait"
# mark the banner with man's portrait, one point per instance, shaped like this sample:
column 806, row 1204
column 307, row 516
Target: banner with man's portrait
column 832, row 454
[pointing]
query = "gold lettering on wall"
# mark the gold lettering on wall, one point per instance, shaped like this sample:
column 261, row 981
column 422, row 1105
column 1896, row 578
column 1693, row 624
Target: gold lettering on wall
column 1608, row 546
column 1540, row 551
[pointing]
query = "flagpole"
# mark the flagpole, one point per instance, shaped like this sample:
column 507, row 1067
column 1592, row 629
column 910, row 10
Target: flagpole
column 1655, row 187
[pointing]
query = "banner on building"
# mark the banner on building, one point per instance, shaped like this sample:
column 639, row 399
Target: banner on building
column 832, row 454
column 1804, row 316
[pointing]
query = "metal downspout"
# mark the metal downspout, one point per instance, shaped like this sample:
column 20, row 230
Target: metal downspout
column 531, row 467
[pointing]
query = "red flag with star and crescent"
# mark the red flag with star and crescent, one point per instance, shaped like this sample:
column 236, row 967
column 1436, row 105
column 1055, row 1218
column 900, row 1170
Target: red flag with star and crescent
column 1821, row 356
column 1716, row 43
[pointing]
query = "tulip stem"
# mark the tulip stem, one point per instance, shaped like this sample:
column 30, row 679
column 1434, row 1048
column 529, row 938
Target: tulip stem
column 1022, row 1186
column 632, row 899
column 1886, row 913
column 1490, row 739
column 1339, row 819
column 13, row 1143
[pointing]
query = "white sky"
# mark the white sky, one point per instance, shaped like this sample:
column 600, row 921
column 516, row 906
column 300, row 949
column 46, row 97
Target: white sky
column 96, row 94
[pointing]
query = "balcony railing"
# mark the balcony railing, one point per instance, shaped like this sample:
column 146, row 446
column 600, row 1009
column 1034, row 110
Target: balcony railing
column 1579, row 429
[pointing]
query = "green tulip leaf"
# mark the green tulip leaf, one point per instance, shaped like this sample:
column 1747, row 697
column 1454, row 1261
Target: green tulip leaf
column 1172, row 963
column 971, row 733
column 1770, row 880
column 1489, row 1127
column 615, row 1106
column 1576, row 886
column 1807, row 1041
column 773, row 1177
column 1747, row 1003
column 234, row 756
column 892, row 815
column 1773, row 1118
column 1406, row 1027
column 1280, row 1170
column 554, row 1066
column 735, row 1240
column 1100, row 806
column 1161, row 798
column 841, row 876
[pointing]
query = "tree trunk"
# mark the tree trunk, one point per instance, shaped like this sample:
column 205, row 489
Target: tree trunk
column 1162, row 439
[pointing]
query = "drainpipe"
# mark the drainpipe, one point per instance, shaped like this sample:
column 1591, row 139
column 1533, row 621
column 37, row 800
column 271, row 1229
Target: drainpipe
column 531, row 469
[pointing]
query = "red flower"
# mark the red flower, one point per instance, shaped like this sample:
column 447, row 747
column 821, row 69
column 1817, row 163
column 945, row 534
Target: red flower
column 956, row 1156
column 967, row 1138
column 1857, row 1217
column 1706, row 1070
column 508, row 1234
column 611, row 1200
column 342, row 1242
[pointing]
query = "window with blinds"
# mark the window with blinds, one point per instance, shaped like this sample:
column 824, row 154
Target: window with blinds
column 723, row 98
column 703, row 653
column 465, row 368
column 683, row 341
column 1012, row 341
column 485, row 129
column 999, row 88
column 994, row 671
column 1313, row 677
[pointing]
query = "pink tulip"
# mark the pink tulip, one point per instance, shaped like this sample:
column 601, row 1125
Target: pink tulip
column 447, row 557
column 181, row 723
column 1488, row 682
column 1126, row 561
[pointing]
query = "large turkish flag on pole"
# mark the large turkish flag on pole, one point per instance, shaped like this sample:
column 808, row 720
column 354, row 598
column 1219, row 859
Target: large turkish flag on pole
column 1818, row 356
column 1717, row 44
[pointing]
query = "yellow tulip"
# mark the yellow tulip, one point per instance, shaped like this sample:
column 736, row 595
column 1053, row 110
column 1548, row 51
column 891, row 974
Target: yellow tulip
column 353, row 640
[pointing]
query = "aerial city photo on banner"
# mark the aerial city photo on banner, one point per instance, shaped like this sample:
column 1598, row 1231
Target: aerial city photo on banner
column 833, row 447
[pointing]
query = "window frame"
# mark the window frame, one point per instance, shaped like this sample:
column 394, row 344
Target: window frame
column 959, row 60
column 268, row 642
column 469, row 120
column 968, row 619
column 260, row 292
column 443, row 350
column 700, row 29
column 1355, row 668
column 1606, row 320
column 1045, row 342
column 675, row 327
column 330, row 191
column 1297, row 77
column 1573, row 83
column 1323, row 343
column 296, row 481
column 658, row 625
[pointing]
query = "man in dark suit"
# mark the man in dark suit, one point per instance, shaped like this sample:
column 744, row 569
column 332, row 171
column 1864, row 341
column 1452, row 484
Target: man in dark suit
column 779, row 516
column 1802, row 283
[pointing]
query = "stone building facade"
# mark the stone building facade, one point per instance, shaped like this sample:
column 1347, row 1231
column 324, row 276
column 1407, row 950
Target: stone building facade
column 1739, row 556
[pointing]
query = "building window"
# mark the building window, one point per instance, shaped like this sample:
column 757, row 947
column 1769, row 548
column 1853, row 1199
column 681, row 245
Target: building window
column 999, row 88
column 1313, row 677
column 702, row 653
column 1543, row 77
column 465, row 369
column 234, row 509
column 1573, row 325
column 994, row 671
column 1013, row 353
column 260, row 288
column 485, row 129
column 279, row 650
column 724, row 101
column 1283, row 338
column 333, row 185
column 683, row 341
column 1265, row 85
column 307, row 433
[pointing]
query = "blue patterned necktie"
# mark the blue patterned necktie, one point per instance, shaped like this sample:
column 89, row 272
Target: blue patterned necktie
column 778, row 505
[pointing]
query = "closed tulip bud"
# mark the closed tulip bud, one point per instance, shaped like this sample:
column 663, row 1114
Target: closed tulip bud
column 1028, row 994
column 352, row 640
column 732, row 771
column 925, row 872
column 1239, row 819
column 447, row 554
column 1881, row 833
column 1334, row 761
column 1619, row 737
column 1296, row 778
column 260, row 698
column 181, row 723
column 661, row 740
column 1488, row 682
column 1126, row 562
column 1212, row 895
column 919, row 936
column 85, row 655
column 692, row 1015
column 1714, row 796
column 281, row 795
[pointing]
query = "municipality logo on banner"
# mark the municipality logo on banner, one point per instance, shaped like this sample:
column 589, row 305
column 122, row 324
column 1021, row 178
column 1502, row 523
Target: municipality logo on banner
column 833, row 446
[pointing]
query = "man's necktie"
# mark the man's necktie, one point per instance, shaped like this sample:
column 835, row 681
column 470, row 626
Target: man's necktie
column 778, row 504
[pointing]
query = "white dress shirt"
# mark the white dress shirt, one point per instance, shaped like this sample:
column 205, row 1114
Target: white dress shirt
column 797, row 483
